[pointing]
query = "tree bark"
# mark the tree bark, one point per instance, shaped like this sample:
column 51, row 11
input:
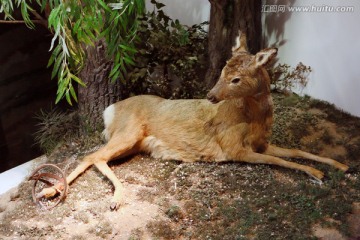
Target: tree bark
column 99, row 91
column 227, row 17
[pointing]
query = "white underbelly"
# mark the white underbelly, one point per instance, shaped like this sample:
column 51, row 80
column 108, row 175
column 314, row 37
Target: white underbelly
column 159, row 149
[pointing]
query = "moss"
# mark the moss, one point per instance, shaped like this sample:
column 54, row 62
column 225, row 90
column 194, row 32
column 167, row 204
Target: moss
column 167, row 168
column 356, row 183
column 174, row 213
column 161, row 229
column 102, row 229
column 327, row 138
column 78, row 237
column 35, row 232
column 82, row 216
column 290, row 101
column 333, row 114
column 353, row 150
column 147, row 195
column 136, row 234
column 6, row 228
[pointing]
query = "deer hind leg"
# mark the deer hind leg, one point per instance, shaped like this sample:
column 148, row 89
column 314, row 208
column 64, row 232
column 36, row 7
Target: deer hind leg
column 252, row 157
column 294, row 153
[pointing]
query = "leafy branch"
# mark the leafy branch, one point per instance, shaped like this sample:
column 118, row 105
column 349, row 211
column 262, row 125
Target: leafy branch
column 77, row 25
column 170, row 57
column 284, row 80
column 7, row 7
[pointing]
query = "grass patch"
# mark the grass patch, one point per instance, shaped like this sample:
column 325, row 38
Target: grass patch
column 161, row 230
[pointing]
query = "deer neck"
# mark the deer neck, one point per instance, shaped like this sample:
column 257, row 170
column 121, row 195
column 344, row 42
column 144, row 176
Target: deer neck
column 259, row 107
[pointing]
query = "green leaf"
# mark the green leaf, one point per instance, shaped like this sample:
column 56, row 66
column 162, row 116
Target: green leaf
column 116, row 76
column 54, row 55
column 103, row 4
column 117, row 57
column 114, row 70
column 129, row 61
column 58, row 98
column 73, row 94
column 123, row 68
column 54, row 19
column 25, row 14
column 68, row 98
column 43, row 5
column 90, row 35
column 128, row 48
column 61, row 90
column 78, row 80
column 77, row 26
column 57, row 64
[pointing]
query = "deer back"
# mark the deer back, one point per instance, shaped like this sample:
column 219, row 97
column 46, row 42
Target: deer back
column 238, row 116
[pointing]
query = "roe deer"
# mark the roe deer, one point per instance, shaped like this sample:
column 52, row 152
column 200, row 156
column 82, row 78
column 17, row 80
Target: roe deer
column 232, row 125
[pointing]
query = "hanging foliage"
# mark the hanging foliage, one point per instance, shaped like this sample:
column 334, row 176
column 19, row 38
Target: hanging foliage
column 78, row 24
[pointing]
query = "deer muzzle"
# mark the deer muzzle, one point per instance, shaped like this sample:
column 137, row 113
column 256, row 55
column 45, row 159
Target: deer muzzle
column 215, row 95
column 212, row 98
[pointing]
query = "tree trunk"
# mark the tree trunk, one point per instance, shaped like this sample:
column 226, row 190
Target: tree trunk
column 99, row 91
column 227, row 17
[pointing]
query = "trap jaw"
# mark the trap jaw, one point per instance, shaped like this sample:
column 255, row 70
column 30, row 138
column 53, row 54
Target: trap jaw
column 50, row 186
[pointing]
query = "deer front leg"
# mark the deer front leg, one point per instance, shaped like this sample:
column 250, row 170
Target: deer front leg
column 252, row 157
column 294, row 153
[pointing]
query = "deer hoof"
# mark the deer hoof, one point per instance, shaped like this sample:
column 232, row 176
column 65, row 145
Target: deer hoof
column 317, row 176
column 343, row 167
column 47, row 193
column 114, row 206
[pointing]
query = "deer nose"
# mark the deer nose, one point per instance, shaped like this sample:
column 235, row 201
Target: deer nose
column 212, row 98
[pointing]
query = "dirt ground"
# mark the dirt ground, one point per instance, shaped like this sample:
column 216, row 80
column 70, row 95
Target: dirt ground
column 174, row 200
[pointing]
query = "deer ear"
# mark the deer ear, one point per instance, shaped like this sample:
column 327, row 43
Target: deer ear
column 265, row 56
column 240, row 43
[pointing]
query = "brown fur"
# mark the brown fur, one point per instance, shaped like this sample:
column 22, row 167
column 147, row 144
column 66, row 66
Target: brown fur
column 235, row 126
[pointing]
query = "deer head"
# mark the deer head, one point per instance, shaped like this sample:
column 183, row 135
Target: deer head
column 244, row 74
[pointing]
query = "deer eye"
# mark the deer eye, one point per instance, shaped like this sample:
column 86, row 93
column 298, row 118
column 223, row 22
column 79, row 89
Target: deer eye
column 235, row 80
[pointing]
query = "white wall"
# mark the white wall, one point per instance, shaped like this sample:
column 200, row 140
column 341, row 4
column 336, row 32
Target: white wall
column 189, row 12
column 329, row 42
